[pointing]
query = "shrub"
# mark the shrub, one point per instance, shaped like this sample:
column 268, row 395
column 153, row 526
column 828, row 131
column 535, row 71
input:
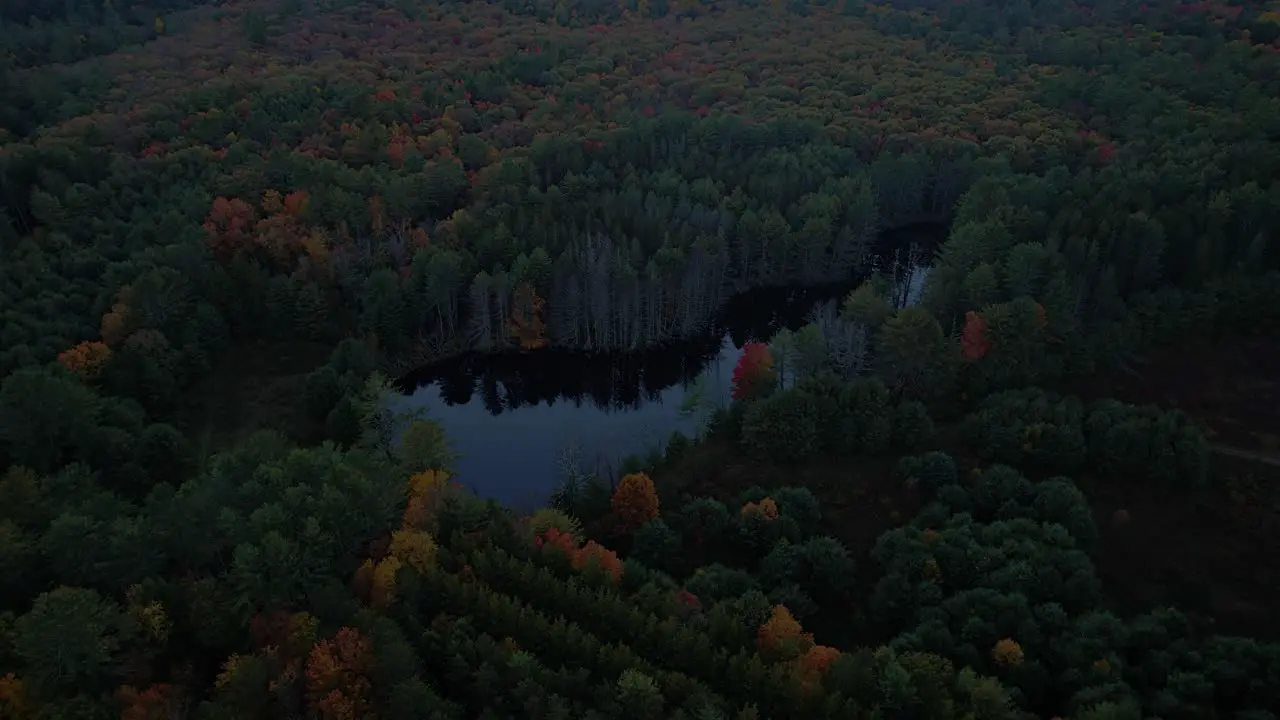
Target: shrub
column 1147, row 442
column 931, row 470
column 782, row 427
column 657, row 545
column 912, row 427
column 1029, row 427
column 716, row 582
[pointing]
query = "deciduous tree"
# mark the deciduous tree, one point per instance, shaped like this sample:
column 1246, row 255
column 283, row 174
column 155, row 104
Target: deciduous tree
column 338, row 686
column 383, row 591
column 70, row 640
column 597, row 558
column 526, row 325
column 781, row 637
column 753, row 376
column 86, row 360
column 415, row 548
column 634, row 502
column 912, row 352
column 975, row 341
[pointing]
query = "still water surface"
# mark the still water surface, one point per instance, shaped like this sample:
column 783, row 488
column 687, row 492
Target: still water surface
column 514, row 417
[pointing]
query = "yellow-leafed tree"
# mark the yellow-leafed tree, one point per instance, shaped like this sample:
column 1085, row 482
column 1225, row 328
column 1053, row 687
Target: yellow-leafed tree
column 383, row 592
column 415, row 548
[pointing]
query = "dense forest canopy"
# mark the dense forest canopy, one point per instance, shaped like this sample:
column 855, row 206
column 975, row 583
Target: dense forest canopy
column 225, row 227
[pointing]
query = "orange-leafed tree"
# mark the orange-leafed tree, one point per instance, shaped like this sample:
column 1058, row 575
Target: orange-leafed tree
column 115, row 324
column 781, row 637
column 975, row 339
column 13, row 702
column 634, row 502
column 418, row 239
column 526, row 325
column 427, row 491
column 594, row 556
column 766, row 509
column 158, row 702
column 86, row 360
column 753, row 375
column 809, row 669
column 338, row 685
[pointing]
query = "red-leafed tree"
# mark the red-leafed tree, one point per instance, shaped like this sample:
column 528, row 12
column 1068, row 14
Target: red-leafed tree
column 229, row 225
column 553, row 540
column 753, row 375
column 158, row 702
column 280, row 232
column 975, row 341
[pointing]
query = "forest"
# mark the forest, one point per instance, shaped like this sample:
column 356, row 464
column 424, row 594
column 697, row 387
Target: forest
column 1048, row 487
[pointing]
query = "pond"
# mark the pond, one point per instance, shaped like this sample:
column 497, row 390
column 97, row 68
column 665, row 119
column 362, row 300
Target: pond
column 516, row 418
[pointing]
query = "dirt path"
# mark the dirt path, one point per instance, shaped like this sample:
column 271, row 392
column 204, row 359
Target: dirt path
column 1266, row 458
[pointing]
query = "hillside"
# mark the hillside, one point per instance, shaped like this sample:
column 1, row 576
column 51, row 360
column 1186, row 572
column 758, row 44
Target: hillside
column 944, row 335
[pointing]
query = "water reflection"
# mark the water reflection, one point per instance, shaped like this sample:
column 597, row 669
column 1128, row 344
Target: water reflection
column 512, row 416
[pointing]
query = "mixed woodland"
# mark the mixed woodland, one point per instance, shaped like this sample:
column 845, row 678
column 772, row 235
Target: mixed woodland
column 906, row 510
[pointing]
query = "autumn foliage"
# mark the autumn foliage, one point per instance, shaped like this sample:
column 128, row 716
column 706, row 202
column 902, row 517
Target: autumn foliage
column 753, row 374
column 229, row 225
column 158, row 702
column 781, row 637
column 526, row 325
column 290, row 634
column 975, row 341
column 635, row 501
column 86, row 360
column 555, row 541
column 274, row 230
column 427, row 491
column 592, row 556
column 338, row 686
column 596, row 556
column 809, row 669
column 382, row 591
column 12, row 698
column 1007, row 653
column 766, row 509
column 415, row 548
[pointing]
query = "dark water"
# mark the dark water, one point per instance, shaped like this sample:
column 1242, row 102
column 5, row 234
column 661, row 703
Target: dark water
column 516, row 418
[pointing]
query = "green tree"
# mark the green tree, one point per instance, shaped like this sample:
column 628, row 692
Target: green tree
column 913, row 355
column 46, row 420
column 868, row 304
column 782, row 427
column 656, row 545
column 424, row 446
column 70, row 640
column 638, row 696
